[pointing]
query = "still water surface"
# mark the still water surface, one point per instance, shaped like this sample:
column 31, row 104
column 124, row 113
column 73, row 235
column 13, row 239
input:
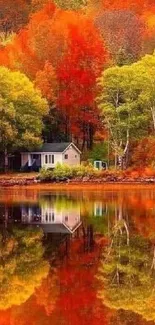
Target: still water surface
column 77, row 257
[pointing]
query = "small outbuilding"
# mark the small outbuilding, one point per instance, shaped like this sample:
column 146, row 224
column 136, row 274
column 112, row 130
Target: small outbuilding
column 49, row 155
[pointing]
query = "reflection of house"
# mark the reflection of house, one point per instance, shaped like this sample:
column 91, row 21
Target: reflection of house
column 49, row 155
column 52, row 220
column 100, row 209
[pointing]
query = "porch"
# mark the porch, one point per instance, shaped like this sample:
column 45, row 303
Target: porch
column 30, row 162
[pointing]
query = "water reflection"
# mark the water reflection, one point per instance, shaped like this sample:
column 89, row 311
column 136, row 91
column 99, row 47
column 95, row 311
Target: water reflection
column 49, row 213
column 80, row 257
column 22, row 267
column 127, row 273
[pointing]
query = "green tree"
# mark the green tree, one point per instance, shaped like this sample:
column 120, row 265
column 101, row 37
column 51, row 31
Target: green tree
column 21, row 112
column 145, row 70
column 124, row 117
column 99, row 151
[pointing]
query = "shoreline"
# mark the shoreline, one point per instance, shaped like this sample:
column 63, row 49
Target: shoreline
column 31, row 181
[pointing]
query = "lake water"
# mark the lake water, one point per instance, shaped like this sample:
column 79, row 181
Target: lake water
column 76, row 257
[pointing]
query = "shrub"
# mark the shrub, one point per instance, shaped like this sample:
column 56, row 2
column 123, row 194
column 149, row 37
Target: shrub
column 62, row 171
column 45, row 174
column 82, row 170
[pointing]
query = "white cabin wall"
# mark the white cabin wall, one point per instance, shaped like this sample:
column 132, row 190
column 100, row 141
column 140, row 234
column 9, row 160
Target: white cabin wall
column 73, row 156
column 57, row 159
column 71, row 217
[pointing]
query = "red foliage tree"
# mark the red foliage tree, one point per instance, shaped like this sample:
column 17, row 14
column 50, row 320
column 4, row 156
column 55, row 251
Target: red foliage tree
column 64, row 54
column 144, row 152
column 77, row 75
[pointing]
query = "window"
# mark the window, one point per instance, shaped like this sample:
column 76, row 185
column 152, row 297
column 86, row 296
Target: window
column 75, row 156
column 66, row 156
column 46, row 159
column 49, row 159
column 52, row 216
column 66, row 218
column 35, row 156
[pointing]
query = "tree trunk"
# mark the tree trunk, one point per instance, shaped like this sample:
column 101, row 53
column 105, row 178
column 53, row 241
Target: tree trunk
column 115, row 160
column 83, row 142
column 6, row 161
column 122, row 159
column 153, row 116
column 6, row 216
column 126, row 150
column 120, row 162
column 90, row 136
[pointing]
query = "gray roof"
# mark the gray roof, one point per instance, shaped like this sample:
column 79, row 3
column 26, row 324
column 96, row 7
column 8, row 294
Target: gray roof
column 53, row 228
column 53, row 147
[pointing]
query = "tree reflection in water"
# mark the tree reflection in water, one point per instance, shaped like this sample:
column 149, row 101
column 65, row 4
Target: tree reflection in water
column 127, row 271
column 103, row 274
column 22, row 267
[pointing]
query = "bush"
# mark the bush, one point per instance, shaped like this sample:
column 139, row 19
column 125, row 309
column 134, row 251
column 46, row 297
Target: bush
column 62, row 171
column 45, row 174
column 83, row 171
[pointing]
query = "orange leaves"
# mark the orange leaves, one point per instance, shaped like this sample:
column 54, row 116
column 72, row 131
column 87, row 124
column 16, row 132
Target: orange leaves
column 137, row 6
column 43, row 15
column 46, row 81
column 144, row 153
column 63, row 53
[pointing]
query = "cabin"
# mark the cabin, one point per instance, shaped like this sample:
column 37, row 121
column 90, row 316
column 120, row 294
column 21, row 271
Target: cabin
column 49, row 155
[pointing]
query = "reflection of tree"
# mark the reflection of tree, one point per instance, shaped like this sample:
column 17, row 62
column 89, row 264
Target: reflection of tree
column 59, row 201
column 22, row 267
column 39, row 309
column 127, row 274
column 125, row 317
column 47, row 293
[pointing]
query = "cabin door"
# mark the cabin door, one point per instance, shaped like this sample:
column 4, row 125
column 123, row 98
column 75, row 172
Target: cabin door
column 36, row 162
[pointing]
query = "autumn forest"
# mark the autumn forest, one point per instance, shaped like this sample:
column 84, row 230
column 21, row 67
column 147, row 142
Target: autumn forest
column 81, row 71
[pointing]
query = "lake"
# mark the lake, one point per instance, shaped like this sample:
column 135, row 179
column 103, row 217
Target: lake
column 77, row 256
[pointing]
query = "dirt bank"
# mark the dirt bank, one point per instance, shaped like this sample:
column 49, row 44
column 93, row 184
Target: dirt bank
column 32, row 179
column 18, row 179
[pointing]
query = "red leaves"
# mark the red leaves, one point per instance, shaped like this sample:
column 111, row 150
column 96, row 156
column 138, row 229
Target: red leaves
column 46, row 81
column 78, row 302
column 63, row 53
column 78, row 71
